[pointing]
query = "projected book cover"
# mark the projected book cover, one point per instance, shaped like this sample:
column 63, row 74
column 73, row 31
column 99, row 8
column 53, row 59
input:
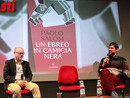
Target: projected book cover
column 52, row 27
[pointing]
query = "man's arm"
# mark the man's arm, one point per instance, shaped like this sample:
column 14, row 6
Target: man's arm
column 6, row 73
column 101, row 65
column 28, row 73
column 126, row 72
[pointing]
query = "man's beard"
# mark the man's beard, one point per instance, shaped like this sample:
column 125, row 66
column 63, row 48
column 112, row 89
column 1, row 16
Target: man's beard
column 112, row 54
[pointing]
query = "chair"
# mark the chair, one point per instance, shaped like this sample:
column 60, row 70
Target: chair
column 68, row 77
column 23, row 92
column 120, row 88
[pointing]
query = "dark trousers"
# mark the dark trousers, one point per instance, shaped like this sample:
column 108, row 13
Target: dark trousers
column 109, row 81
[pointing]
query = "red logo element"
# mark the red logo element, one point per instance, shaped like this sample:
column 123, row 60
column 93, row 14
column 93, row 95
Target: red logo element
column 9, row 6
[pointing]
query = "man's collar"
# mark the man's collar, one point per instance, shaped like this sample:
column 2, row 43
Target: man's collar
column 116, row 56
column 17, row 61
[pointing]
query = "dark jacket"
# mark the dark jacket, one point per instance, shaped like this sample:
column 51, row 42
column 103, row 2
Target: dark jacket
column 9, row 72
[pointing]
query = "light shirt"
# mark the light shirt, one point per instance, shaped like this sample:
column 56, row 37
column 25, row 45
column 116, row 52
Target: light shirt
column 19, row 71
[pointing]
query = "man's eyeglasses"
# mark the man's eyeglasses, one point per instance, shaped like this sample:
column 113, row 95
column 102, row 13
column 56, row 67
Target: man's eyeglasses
column 20, row 53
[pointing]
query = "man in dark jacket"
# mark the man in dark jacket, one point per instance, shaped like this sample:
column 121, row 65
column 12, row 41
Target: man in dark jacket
column 18, row 75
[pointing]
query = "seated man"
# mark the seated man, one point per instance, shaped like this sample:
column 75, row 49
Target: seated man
column 113, row 70
column 17, row 75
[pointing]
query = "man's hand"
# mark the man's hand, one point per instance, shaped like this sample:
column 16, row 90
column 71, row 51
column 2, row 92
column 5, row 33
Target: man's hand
column 114, row 73
column 25, row 83
column 20, row 83
column 105, row 61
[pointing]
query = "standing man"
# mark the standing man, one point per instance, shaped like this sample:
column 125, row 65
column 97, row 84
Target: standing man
column 113, row 70
column 17, row 75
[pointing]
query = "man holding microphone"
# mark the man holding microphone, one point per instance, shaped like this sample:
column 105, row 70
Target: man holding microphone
column 113, row 70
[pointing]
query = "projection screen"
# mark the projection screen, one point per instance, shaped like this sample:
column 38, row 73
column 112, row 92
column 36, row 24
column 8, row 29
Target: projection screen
column 64, row 32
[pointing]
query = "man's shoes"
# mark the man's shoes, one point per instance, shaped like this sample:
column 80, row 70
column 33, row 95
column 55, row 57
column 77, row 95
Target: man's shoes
column 114, row 94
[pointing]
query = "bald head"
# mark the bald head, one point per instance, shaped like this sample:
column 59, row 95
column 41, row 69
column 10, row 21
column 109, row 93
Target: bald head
column 19, row 53
column 18, row 48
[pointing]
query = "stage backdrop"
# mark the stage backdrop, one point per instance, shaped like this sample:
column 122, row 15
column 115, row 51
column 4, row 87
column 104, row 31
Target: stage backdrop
column 60, row 32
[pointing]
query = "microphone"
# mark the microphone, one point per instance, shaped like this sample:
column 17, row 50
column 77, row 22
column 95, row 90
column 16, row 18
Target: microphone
column 108, row 57
column 108, row 54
